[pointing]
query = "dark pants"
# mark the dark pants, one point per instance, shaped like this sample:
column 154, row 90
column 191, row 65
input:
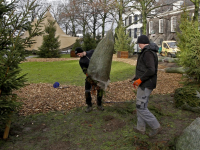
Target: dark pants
column 88, row 97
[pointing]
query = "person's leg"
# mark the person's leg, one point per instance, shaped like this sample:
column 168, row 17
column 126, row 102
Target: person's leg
column 99, row 97
column 88, row 96
column 143, row 113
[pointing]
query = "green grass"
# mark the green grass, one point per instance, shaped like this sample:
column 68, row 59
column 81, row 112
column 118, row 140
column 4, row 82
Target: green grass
column 65, row 56
column 111, row 129
column 69, row 72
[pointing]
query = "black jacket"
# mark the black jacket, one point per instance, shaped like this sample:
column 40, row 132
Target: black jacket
column 147, row 66
column 85, row 60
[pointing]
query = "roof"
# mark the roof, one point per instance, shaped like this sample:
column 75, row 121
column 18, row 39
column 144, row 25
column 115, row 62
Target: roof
column 65, row 40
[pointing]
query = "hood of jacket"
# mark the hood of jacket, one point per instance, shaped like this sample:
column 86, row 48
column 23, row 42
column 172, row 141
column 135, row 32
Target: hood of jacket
column 151, row 46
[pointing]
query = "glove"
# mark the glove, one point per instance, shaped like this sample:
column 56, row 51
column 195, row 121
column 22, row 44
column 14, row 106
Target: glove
column 137, row 82
column 86, row 75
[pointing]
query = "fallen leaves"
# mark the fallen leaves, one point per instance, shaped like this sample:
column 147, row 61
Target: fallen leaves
column 43, row 97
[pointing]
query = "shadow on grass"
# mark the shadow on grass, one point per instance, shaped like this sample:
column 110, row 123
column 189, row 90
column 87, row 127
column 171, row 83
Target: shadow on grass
column 111, row 129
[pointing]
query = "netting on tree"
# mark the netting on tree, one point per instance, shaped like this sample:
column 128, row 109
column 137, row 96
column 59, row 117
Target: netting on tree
column 101, row 60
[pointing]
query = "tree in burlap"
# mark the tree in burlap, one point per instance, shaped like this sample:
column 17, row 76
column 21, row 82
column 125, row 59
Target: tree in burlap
column 50, row 45
column 12, row 53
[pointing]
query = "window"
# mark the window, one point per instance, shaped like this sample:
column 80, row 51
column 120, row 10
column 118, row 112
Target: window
column 150, row 27
column 140, row 18
column 141, row 31
column 132, row 33
column 135, row 19
column 173, row 23
column 126, row 22
column 160, row 25
column 135, row 32
column 130, row 20
column 165, row 45
column 129, row 30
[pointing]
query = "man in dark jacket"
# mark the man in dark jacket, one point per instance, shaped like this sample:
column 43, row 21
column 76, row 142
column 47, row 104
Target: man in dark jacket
column 84, row 63
column 145, row 79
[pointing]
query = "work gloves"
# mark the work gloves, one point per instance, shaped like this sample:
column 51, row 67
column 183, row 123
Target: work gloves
column 137, row 82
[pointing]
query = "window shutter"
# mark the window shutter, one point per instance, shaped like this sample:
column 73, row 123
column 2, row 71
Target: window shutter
column 135, row 19
column 140, row 18
column 161, row 26
column 150, row 27
column 132, row 33
column 129, row 30
column 173, row 23
column 130, row 20
column 135, row 32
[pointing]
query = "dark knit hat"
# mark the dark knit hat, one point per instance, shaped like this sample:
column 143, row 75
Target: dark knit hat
column 78, row 50
column 142, row 39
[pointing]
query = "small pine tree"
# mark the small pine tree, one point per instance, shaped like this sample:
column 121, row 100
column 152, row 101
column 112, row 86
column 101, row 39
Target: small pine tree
column 76, row 44
column 12, row 52
column 188, row 42
column 98, row 38
column 88, row 42
column 50, row 45
column 122, row 41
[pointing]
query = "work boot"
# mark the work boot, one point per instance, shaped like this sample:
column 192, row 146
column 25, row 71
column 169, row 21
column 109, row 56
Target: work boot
column 138, row 131
column 100, row 108
column 88, row 109
column 154, row 132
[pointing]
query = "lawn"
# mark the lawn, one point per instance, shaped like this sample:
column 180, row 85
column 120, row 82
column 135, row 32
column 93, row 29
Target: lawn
column 69, row 72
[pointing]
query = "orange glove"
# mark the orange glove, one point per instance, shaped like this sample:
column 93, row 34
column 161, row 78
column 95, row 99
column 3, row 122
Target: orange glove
column 86, row 74
column 137, row 82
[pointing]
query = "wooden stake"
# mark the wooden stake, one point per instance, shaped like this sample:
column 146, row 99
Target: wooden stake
column 7, row 129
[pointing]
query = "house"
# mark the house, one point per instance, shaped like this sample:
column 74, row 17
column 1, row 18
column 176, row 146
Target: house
column 161, row 25
column 164, row 25
column 133, row 22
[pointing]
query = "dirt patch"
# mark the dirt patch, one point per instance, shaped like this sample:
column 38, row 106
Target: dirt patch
column 113, row 125
column 43, row 97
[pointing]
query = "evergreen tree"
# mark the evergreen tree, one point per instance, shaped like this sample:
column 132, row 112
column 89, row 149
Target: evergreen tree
column 12, row 52
column 122, row 40
column 76, row 44
column 188, row 42
column 50, row 45
column 88, row 42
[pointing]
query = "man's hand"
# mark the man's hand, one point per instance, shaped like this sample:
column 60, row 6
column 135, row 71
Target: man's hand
column 81, row 54
column 137, row 82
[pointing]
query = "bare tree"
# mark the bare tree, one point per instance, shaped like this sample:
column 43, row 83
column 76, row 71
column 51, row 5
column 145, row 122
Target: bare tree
column 42, row 5
column 145, row 7
column 196, row 9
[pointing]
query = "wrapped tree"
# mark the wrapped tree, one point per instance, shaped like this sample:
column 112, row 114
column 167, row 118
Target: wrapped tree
column 50, row 45
column 12, row 52
column 101, row 61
